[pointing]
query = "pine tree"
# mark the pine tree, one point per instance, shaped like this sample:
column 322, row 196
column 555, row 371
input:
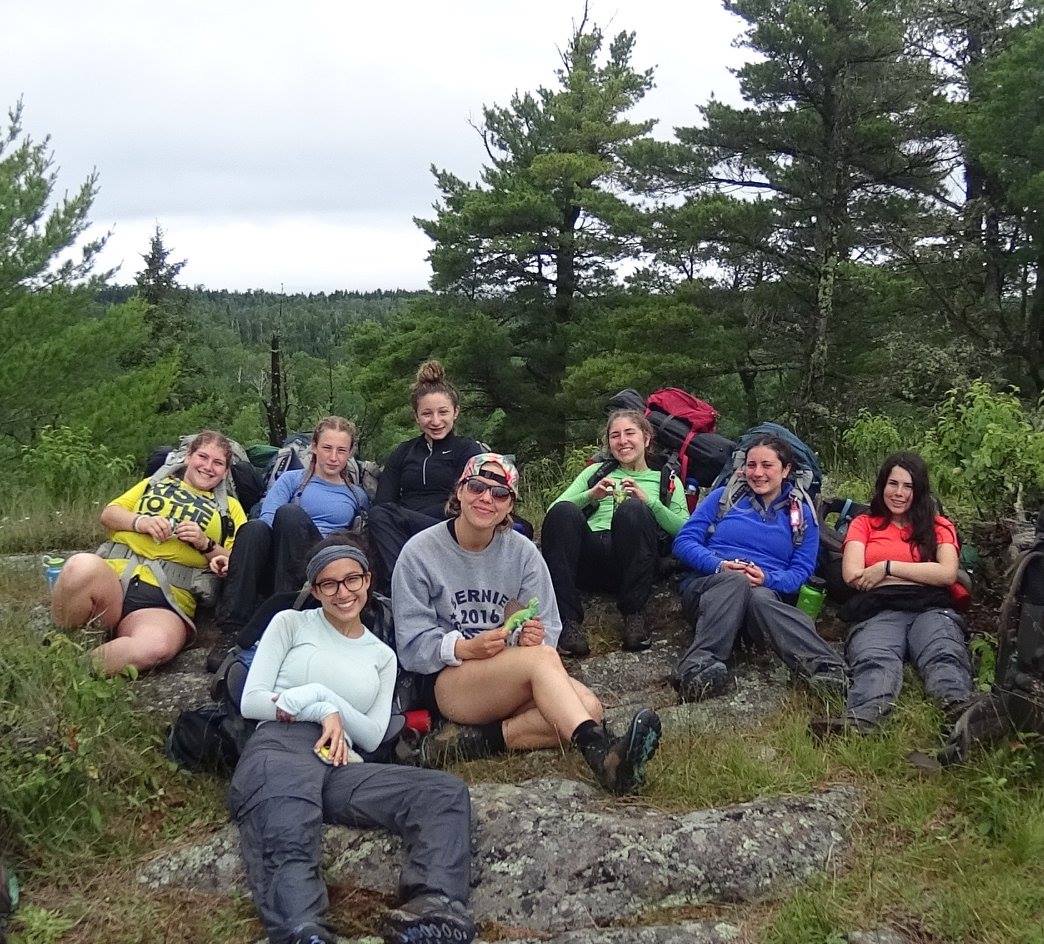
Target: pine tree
column 548, row 222
column 836, row 135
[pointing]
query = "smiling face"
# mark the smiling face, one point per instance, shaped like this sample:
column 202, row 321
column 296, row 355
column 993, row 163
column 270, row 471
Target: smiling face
column 627, row 442
column 332, row 452
column 765, row 473
column 206, row 467
column 341, row 589
column 478, row 506
column 898, row 492
column 436, row 415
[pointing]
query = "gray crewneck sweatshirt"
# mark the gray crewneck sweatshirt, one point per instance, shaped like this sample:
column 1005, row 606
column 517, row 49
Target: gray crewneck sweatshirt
column 441, row 592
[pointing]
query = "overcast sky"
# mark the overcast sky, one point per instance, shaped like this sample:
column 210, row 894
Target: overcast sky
column 290, row 143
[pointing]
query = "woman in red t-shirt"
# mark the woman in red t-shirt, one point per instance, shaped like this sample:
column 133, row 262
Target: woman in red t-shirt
column 903, row 558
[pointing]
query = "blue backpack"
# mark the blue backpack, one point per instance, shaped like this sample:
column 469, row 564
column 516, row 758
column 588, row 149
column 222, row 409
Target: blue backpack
column 806, row 477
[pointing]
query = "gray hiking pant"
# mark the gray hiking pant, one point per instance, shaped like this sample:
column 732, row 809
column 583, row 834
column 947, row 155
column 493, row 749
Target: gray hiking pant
column 932, row 641
column 724, row 605
column 281, row 794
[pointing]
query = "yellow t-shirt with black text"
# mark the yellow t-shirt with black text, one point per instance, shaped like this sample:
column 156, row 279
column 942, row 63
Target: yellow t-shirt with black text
column 177, row 501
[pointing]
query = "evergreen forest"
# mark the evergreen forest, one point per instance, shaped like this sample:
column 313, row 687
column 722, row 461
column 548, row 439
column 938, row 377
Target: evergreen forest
column 854, row 250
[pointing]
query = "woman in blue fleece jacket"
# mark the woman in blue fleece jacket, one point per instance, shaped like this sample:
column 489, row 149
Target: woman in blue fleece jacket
column 746, row 565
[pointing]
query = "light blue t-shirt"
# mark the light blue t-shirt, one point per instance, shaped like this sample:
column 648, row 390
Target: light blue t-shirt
column 331, row 506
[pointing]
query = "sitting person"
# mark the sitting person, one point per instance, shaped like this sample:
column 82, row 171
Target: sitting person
column 419, row 476
column 164, row 535
column 902, row 557
column 745, row 562
column 321, row 685
column 453, row 590
column 302, row 507
column 606, row 536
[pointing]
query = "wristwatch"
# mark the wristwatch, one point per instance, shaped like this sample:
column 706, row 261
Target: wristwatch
column 210, row 546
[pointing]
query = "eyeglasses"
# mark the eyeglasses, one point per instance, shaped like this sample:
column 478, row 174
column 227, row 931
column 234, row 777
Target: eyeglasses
column 478, row 486
column 352, row 582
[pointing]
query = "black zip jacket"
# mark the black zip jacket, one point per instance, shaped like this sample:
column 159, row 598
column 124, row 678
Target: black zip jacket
column 420, row 476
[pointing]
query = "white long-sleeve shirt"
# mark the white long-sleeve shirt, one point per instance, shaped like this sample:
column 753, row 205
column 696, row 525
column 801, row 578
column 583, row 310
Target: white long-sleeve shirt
column 310, row 670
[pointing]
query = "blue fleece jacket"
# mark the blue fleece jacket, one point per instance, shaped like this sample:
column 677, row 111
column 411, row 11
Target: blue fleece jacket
column 750, row 532
column 331, row 507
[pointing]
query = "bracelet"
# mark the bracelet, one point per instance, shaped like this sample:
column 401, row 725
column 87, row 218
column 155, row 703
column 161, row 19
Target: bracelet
column 134, row 522
column 888, row 568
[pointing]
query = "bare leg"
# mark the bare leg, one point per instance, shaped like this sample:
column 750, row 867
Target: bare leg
column 527, row 730
column 146, row 638
column 87, row 588
column 485, row 690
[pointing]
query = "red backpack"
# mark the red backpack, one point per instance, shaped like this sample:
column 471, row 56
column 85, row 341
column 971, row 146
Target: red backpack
column 680, row 415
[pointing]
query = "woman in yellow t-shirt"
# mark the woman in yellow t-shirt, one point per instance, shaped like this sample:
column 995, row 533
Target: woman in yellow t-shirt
column 169, row 532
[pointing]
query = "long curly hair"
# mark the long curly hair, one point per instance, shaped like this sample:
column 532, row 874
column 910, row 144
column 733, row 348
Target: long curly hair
column 923, row 508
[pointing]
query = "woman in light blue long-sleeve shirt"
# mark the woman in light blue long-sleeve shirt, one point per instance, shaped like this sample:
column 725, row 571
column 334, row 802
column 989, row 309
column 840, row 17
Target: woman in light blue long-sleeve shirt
column 321, row 684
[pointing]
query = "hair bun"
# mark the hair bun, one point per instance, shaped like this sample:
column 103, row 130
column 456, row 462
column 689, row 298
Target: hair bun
column 431, row 372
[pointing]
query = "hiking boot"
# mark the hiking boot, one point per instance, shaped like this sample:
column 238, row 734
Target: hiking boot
column 825, row 727
column 708, row 682
column 619, row 765
column 429, row 918
column 573, row 641
column 217, row 655
column 313, row 934
column 454, row 742
column 636, row 636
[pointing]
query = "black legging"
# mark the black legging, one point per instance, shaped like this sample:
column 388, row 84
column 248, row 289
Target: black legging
column 265, row 560
column 622, row 560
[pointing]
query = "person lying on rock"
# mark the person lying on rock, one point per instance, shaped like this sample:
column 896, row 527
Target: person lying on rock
column 321, row 685
column 164, row 536
column 747, row 564
column 902, row 558
column 452, row 592
column 607, row 536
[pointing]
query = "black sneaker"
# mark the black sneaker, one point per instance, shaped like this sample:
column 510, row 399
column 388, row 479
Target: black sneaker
column 313, row 934
column 704, row 683
column 453, row 742
column 620, row 767
column 827, row 727
column 427, row 918
column 636, row 635
column 573, row 641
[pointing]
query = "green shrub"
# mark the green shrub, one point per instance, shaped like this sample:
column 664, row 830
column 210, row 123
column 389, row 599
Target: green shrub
column 68, row 464
column 868, row 440
column 985, row 450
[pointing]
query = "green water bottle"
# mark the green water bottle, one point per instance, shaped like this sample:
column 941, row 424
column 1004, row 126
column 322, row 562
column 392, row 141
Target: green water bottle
column 812, row 596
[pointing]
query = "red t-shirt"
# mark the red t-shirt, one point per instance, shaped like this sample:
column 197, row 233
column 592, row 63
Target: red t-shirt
column 892, row 542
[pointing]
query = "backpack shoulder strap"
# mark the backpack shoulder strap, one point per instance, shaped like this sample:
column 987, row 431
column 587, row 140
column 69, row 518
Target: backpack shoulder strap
column 734, row 490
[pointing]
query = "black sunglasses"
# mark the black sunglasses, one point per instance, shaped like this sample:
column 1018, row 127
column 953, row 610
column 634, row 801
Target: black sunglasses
column 479, row 487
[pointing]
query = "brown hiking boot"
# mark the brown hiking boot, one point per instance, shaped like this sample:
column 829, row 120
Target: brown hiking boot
column 573, row 641
column 636, row 635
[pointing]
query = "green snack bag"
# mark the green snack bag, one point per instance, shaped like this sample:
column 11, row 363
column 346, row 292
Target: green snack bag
column 513, row 624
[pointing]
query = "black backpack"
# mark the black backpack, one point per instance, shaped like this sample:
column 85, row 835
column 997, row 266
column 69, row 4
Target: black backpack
column 209, row 739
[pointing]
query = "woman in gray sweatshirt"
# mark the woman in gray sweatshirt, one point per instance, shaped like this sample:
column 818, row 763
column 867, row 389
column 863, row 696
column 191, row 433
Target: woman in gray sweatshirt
column 453, row 590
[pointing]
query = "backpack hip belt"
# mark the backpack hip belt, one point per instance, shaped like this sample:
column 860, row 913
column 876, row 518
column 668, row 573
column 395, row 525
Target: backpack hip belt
column 167, row 574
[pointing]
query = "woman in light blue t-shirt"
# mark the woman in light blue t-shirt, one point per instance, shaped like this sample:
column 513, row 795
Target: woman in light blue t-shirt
column 301, row 508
